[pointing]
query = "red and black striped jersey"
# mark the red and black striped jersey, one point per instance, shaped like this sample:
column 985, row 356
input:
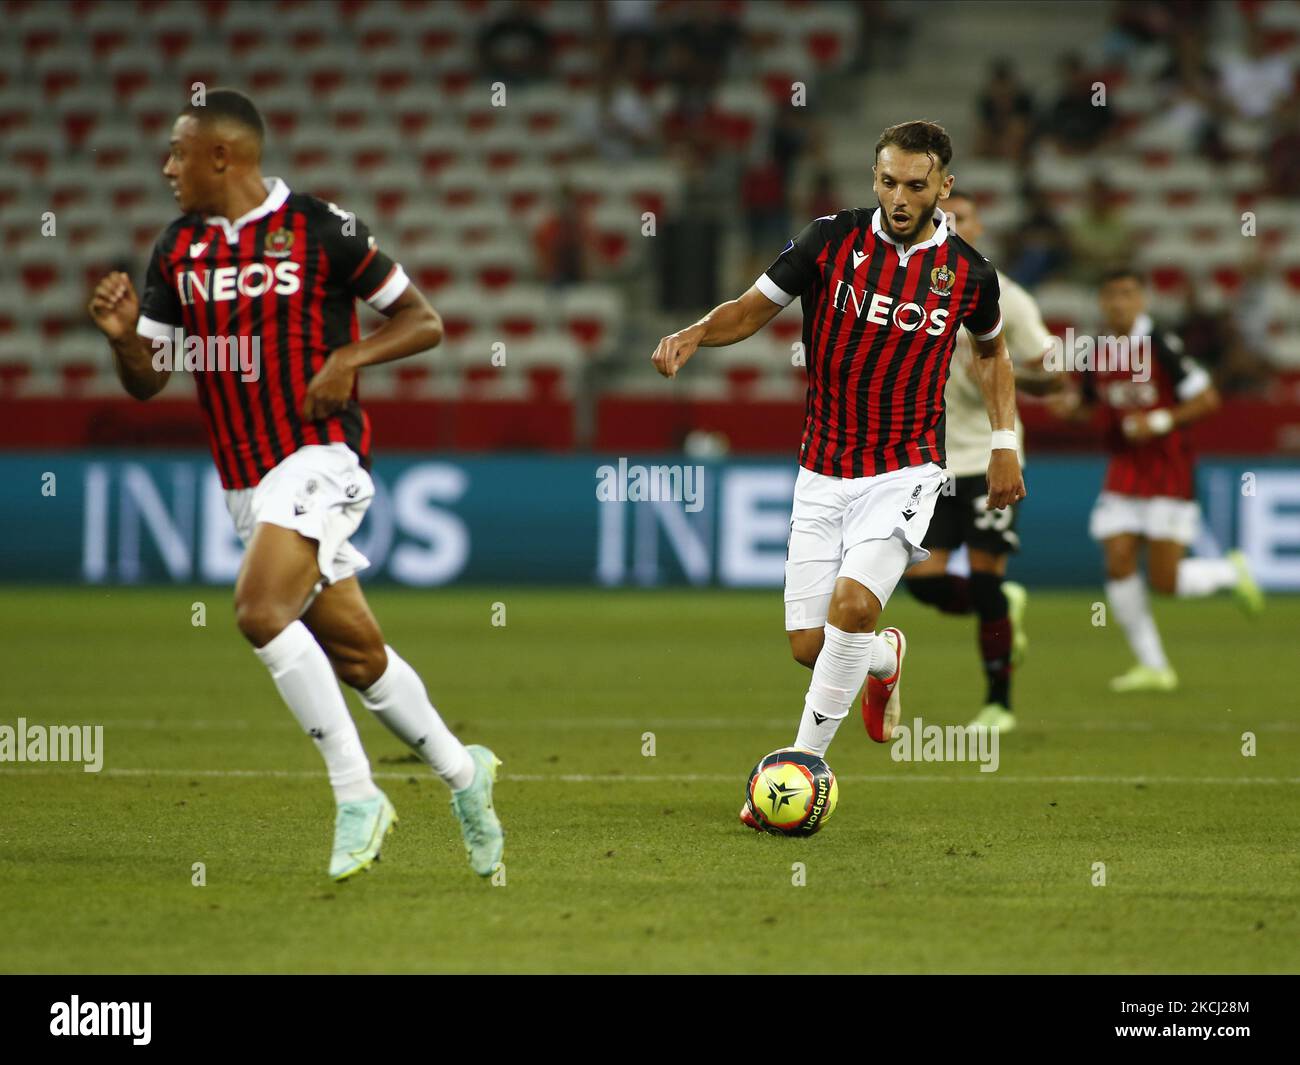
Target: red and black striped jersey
column 1152, row 374
column 879, row 327
column 283, row 279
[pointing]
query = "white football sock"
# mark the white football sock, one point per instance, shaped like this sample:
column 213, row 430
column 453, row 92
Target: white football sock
column 1128, row 601
column 838, row 676
column 399, row 700
column 306, row 681
column 1204, row 576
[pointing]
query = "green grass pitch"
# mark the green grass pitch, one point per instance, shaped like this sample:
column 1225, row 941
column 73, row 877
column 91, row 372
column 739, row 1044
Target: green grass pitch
column 620, row 862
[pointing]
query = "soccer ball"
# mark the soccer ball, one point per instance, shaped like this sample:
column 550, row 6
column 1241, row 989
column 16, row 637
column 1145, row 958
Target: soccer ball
column 792, row 792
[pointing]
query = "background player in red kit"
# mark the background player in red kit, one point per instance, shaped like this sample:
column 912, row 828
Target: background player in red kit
column 250, row 258
column 883, row 293
column 1149, row 494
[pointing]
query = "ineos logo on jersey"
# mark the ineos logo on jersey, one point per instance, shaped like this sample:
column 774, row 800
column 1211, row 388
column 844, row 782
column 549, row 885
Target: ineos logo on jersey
column 908, row 317
column 229, row 282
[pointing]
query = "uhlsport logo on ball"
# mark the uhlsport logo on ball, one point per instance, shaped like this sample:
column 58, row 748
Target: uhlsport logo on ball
column 792, row 792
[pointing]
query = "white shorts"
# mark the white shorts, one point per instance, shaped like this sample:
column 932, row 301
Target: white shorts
column 1156, row 517
column 320, row 491
column 834, row 515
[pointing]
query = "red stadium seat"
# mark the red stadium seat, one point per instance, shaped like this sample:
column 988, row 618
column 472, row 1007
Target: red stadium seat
column 592, row 315
column 522, row 312
column 1168, row 278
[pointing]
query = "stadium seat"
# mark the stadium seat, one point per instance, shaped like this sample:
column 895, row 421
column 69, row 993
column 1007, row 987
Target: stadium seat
column 618, row 238
column 528, row 185
column 462, row 307
column 592, row 314
column 459, row 185
column 497, row 264
column 522, row 312
column 78, row 357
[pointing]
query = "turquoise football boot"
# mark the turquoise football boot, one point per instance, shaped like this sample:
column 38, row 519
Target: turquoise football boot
column 479, row 825
column 359, row 831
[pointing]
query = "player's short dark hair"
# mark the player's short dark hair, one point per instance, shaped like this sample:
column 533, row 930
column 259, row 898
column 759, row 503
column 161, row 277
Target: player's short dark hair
column 229, row 104
column 929, row 138
column 1120, row 273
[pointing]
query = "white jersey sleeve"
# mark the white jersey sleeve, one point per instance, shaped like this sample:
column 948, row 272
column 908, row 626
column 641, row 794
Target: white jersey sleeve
column 967, row 429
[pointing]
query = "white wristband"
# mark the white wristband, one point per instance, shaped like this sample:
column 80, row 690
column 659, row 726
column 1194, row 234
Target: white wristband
column 1160, row 421
column 1005, row 439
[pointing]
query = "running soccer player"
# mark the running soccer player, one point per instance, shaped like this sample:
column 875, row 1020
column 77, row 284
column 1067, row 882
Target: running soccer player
column 1148, row 498
column 961, row 515
column 883, row 293
column 250, row 258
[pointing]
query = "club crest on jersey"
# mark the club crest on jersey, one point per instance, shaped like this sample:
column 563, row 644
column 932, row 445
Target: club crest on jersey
column 278, row 244
column 942, row 280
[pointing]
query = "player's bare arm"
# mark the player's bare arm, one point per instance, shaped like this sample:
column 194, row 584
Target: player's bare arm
column 115, row 310
column 1148, row 424
column 997, row 378
column 413, row 326
column 727, row 323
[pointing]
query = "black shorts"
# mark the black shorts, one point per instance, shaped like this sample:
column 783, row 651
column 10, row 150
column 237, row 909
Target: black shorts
column 960, row 518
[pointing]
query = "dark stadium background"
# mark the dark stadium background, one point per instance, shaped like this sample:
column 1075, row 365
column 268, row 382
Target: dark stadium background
column 649, row 160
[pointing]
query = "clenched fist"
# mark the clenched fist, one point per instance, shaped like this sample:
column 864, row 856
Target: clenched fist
column 114, row 306
column 673, row 351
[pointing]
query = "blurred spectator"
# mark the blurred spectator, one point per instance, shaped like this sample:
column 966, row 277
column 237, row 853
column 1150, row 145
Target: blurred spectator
column 1037, row 249
column 1255, row 80
column 630, row 23
column 1139, row 24
column 699, row 45
column 1282, row 158
column 1205, row 333
column 825, row 198
column 515, row 48
column 765, row 187
column 884, row 33
column 1250, row 313
column 1100, row 237
column 767, row 219
column 696, row 133
column 1134, row 24
column 1190, row 113
column 616, row 121
column 1213, row 339
column 1006, row 112
column 563, row 241
column 1074, row 122
column 791, row 137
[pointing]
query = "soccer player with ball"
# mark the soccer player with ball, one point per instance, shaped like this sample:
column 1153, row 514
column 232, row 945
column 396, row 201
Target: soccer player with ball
column 250, row 258
column 883, row 294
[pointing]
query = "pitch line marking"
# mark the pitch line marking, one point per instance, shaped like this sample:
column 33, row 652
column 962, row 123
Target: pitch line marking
column 665, row 778
column 702, row 723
